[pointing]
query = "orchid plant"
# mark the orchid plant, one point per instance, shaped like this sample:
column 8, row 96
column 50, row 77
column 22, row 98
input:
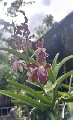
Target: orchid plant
column 39, row 73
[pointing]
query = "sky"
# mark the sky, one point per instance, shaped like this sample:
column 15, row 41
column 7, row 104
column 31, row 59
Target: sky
column 38, row 11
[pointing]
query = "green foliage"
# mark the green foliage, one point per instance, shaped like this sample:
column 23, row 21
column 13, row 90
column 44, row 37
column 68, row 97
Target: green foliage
column 62, row 63
column 46, row 25
column 40, row 31
column 20, row 55
column 5, row 73
column 51, row 75
column 63, row 77
column 48, row 20
column 3, row 58
column 54, row 64
column 68, row 99
column 66, row 86
column 70, row 108
column 27, row 100
column 47, row 97
column 31, row 51
column 36, row 94
column 54, row 116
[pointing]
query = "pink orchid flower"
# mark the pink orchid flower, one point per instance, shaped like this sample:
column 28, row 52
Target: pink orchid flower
column 37, row 73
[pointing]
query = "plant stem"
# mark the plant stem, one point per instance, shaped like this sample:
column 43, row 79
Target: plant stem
column 27, row 47
column 43, row 91
column 54, row 98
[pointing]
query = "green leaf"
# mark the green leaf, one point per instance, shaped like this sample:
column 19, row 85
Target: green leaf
column 64, row 94
column 20, row 55
column 54, row 64
column 61, row 63
column 66, row 86
column 68, row 99
column 54, row 116
column 26, row 100
column 35, row 83
column 31, row 50
column 30, row 90
column 70, row 108
column 17, row 102
column 63, row 77
column 55, row 61
column 50, row 75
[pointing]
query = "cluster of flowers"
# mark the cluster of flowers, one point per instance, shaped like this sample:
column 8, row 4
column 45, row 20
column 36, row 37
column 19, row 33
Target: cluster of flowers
column 21, row 32
column 36, row 71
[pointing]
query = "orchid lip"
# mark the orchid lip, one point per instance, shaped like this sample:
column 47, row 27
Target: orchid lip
column 47, row 54
column 41, row 74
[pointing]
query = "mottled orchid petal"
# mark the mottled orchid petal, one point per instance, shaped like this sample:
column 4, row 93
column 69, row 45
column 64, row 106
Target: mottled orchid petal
column 32, row 65
column 41, row 58
column 47, row 66
column 34, row 76
column 15, row 66
column 40, row 44
column 39, row 50
column 29, row 75
column 20, row 68
column 25, row 26
column 15, row 57
column 18, row 32
column 20, row 27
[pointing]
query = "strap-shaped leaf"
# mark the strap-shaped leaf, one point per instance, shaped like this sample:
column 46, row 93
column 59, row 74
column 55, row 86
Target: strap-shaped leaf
column 62, row 62
column 31, row 50
column 20, row 55
column 30, row 90
column 63, row 77
column 66, row 86
column 53, row 116
column 50, row 75
column 27, row 100
column 68, row 99
column 54, row 64
column 70, row 108
column 55, row 61
column 64, row 94
column 17, row 102
column 35, row 83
